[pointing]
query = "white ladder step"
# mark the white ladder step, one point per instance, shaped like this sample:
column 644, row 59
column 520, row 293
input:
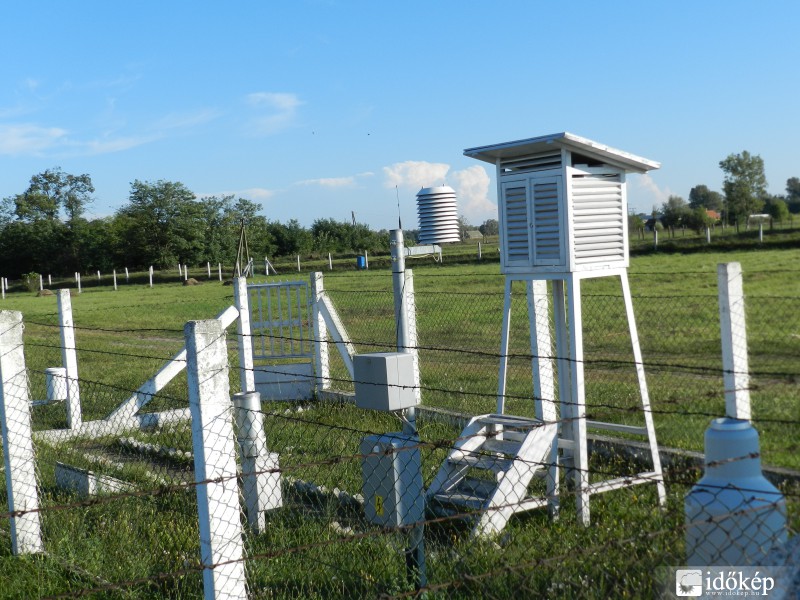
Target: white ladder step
column 510, row 421
column 478, row 460
column 502, row 446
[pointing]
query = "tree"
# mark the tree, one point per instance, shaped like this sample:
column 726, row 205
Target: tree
column 745, row 184
column 163, row 224
column 674, row 211
column 463, row 226
column 793, row 194
column 51, row 191
column 698, row 219
column 490, row 227
column 776, row 207
column 701, row 196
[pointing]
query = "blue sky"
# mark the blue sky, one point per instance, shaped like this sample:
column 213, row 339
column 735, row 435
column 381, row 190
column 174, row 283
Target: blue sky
column 318, row 108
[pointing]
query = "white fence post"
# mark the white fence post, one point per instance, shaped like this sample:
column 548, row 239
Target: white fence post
column 114, row 273
column 261, row 482
column 78, row 278
column 321, row 356
column 15, row 412
column 366, row 259
column 49, row 279
column 330, row 262
column 3, row 287
column 41, row 284
column 180, row 272
column 127, row 276
column 734, row 341
column 221, row 548
column 151, row 275
column 298, row 263
column 69, row 359
column 186, row 272
column 219, row 270
column 245, row 335
column 208, row 266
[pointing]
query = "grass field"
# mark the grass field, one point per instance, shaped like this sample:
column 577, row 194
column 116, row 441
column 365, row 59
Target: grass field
column 141, row 546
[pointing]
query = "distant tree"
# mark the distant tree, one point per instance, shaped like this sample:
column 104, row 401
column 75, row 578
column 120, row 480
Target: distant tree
column 776, row 207
column 701, row 196
column 745, row 184
column 490, row 227
column 463, row 226
column 793, row 194
column 674, row 212
column 698, row 219
column 51, row 191
column 162, row 224
column 635, row 223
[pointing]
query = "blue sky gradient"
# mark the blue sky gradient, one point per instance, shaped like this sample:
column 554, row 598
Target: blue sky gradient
column 318, row 108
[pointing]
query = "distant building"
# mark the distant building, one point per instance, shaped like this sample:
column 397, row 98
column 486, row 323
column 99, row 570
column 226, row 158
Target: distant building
column 473, row 235
column 713, row 214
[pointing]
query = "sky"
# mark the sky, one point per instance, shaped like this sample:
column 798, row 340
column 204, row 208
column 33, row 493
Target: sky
column 320, row 109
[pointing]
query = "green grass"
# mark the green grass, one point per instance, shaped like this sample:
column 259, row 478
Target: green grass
column 149, row 543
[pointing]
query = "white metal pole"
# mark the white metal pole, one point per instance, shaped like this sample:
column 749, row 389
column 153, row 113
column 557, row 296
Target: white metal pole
column 151, row 275
column 18, row 457
column 79, row 282
column 185, row 272
column 330, row 262
column 49, row 279
column 98, row 275
column 708, row 235
column 114, row 272
column 41, row 282
column 366, row 258
column 479, row 251
column 69, row 359
column 208, row 266
column 180, row 272
column 219, row 270
column 736, row 371
column 3, row 287
column 760, row 231
column 221, row 548
column 127, row 276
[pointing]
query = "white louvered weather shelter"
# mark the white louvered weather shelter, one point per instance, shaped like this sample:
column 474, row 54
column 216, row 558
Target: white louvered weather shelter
column 563, row 218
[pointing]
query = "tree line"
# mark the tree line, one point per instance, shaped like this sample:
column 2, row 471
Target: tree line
column 744, row 193
column 43, row 229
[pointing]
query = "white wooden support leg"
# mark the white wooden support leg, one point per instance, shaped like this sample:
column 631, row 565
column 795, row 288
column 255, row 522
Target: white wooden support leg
column 648, row 413
column 504, row 333
column 564, row 366
column 544, row 390
column 581, row 470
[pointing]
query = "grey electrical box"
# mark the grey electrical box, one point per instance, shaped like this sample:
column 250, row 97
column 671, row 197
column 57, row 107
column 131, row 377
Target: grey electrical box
column 392, row 472
column 384, row 380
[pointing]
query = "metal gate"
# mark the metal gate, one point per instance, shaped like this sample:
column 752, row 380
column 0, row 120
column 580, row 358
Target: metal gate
column 282, row 339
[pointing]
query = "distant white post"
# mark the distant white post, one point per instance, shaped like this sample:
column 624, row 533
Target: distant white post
column 366, row 259
column 18, row 457
column 221, row 548
column 479, row 251
column 151, row 275
column 708, row 235
column 127, row 276
column 69, row 359
column 208, row 266
column 760, row 231
column 3, row 287
column 79, row 281
column 736, row 376
column 180, row 272
column 114, row 272
column 219, row 270
column 330, row 262
column 298, row 263
column 49, row 279
column 245, row 335
column 655, row 238
column 186, row 272
column 41, row 283
column 98, row 275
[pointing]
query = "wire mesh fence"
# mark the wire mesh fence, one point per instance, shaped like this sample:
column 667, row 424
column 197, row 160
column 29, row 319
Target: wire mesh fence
column 119, row 508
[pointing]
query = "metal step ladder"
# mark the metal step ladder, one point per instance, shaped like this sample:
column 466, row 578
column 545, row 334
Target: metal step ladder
column 490, row 467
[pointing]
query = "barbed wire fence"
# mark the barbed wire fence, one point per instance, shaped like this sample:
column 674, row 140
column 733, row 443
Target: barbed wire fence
column 120, row 509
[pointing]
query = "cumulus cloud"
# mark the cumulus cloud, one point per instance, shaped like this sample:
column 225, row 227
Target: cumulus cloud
column 472, row 190
column 255, row 193
column 20, row 139
column 644, row 193
column 415, row 174
column 277, row 111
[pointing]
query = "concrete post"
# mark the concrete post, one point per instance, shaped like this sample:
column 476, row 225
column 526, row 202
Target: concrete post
column 221, row 548
column 20, row 469
column 69, row 359
column 261, row 482
column 321, row 355
column 244, row 334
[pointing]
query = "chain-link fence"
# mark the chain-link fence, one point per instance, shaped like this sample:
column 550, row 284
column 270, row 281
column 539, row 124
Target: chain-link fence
column 322, row 499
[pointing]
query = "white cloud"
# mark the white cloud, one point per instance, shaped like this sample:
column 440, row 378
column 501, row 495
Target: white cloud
column 279, row 108
column 186, row 119
column 29, row 139
column 254, row 193
column 644, row 193
column 112, row 144
column 332, row 182
column 415, row 174
column 472, row 191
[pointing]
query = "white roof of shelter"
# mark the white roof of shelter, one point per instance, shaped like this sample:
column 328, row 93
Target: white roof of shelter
column 569, row 141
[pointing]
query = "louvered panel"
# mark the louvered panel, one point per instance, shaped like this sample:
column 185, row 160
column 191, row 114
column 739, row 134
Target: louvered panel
column 598, row 219
column 547, row 229
column 517, row 237
column 531, row 163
